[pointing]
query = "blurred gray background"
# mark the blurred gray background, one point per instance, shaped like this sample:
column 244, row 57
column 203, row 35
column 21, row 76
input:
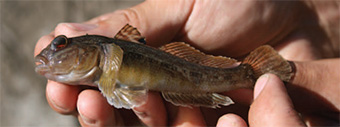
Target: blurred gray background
column 23, row 22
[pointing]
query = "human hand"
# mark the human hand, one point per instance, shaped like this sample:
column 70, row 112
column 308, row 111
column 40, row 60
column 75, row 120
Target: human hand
column 315, row 91
column 219, row 27
column 271, row 107
column 318, row 105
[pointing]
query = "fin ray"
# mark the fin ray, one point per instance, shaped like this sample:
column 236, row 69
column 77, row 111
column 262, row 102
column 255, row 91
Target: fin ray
column 130, row 33
column 128, row 96
column 266, row 60
column 111, row 64
column 212, row 100
column 189, row 53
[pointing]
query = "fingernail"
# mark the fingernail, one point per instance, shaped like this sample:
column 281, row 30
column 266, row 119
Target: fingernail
column 87, row 121
column 260, row 83
column 81, row 27
column 60, row 108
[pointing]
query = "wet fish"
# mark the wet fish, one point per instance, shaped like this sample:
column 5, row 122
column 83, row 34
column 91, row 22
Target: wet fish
column 125, row 69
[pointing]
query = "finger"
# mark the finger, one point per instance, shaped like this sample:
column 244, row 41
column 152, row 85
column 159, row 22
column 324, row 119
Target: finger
column 231, row 120
column 189, row 117
column 317, row 81
column 75, row 29
column 95, row 111
column 42, row 43
column 153, row 112
column 159, row 21
column 147, row 17
column 62, row 98
column 272, row 105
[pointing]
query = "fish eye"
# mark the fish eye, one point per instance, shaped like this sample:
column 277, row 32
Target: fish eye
column 59, row 42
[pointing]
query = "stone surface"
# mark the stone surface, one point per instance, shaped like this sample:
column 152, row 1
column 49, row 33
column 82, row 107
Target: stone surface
column 23, row 22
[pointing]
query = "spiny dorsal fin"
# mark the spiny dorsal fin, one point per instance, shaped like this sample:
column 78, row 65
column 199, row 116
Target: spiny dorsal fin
column 266, row 60
column 130, row 33
column 212, row 100
column 189, row 53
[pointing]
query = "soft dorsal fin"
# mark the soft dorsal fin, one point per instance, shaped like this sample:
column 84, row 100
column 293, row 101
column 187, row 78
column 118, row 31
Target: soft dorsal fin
column 130, row 33
column 189, row 53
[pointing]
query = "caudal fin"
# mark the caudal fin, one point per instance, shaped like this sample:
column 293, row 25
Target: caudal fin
column 266, row 60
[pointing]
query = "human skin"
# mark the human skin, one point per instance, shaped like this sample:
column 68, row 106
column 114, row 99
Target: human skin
column 278, row 110
column 228, row 28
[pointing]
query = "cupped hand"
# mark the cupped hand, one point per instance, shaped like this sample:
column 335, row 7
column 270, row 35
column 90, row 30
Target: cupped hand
column 229, row 28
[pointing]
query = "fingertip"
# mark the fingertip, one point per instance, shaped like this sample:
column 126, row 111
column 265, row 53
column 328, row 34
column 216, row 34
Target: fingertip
column 73, row 29
column 42, row 43
column 94, row 110
column 153, row 112
column 267, row 79
column 61, row 97
column 189, row 117
column 104, row 28
column 259, row 85
column 231, row 120
column 272, row 105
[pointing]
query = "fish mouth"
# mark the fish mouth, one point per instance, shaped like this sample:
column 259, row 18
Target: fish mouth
column 41, row 65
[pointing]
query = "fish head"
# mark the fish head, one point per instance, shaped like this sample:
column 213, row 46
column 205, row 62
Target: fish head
column 66, row 60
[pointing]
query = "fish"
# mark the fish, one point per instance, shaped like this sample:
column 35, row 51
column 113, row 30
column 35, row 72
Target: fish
column 125, row 69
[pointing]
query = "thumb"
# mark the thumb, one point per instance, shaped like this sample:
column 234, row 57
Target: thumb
column 272, row 105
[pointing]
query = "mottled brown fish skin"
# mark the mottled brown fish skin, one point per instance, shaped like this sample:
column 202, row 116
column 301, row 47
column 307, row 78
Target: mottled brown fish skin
column 124, row 70
column 161, row 71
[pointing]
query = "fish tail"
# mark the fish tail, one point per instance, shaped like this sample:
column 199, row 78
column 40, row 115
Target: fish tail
column 265, row 59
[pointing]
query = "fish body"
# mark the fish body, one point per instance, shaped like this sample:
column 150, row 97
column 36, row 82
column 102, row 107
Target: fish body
column 125, row 69
column 161, row 71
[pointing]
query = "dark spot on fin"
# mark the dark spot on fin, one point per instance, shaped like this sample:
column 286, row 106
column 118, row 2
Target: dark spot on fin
column 211, row 100
column 189, row 53
column 266, row 60
column 142, row 40
column 130, row 33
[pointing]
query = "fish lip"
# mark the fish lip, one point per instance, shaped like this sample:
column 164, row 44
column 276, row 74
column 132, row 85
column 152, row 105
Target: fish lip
column 41, row 64
column 39, row 59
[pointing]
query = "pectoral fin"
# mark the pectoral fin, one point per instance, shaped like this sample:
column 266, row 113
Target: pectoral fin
column 211, row 100
column 189, row 53
column 129, row 33
column 127, row 97
column 113, row 56
column 117, row 94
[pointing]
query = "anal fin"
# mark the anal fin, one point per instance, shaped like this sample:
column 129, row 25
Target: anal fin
column 211, row 100
column 189, row 53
